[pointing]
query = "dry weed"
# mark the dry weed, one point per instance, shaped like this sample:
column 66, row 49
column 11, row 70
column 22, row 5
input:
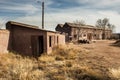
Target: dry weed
column 115, row 73
column 65, row 63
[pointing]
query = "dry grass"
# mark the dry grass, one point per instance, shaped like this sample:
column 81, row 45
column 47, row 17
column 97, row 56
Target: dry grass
column 15, row 67
column 64, row 63
column 115, row 73
column 46, row 58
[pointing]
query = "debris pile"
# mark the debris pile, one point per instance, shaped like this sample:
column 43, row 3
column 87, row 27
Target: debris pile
column 117, row 43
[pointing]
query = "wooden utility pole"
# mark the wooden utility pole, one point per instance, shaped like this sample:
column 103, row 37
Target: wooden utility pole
column 43, row 15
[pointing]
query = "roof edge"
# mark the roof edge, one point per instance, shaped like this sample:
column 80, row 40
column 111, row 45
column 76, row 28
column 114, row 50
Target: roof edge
column 28, row 26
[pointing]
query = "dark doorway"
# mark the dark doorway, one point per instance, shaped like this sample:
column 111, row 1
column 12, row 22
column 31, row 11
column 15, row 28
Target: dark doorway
column 57, row 39
column 89, row 36
column 37, row 45
column 50, row 41
column 41, row 46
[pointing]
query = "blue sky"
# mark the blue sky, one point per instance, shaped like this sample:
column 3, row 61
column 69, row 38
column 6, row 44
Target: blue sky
column 59, row 11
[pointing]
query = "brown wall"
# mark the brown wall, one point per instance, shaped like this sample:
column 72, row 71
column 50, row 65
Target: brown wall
column 57, row 39
column 52, row 41
column 108, row 34
column 91, row 33
column 22, row 37
column 26, row 40
column 61, row 39
column 4, row 40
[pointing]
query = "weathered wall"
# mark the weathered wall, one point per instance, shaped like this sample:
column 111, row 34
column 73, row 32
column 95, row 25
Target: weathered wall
column 4, row 40
column 85, row 32
column 108, row 34
column 61, row 39
column 27, row 41
column 115, row 36
column 21, row 38
column 57, row 39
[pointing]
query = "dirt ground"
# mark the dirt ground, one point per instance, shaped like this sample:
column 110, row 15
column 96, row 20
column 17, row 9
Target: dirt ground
column 103, row 51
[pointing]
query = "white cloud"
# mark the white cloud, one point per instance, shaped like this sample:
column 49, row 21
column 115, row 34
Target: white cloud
column 28, row 8
column 3, row 21
column 90, row 17
column 101, row 4
column 53, row 16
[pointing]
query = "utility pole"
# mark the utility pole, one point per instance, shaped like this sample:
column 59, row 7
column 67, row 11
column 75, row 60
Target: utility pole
column 43, row 15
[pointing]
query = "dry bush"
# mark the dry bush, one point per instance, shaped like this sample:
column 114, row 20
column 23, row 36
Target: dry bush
column 117, row 43
column 16, row 67
column 56, row 74
column 84, row 73
column 115, row 73
column 36, row 75
column 46, row 58
column 65, row 63
column 65, row 52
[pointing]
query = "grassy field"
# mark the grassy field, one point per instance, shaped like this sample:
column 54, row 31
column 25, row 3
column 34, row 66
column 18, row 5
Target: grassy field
column 65, row 63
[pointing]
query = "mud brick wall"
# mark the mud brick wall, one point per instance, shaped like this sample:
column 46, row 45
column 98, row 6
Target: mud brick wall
column 4, row 40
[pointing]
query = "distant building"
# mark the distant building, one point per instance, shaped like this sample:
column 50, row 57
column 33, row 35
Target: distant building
column 74, row 32
column 116, row 36
column 60, row 27
column 30, row 40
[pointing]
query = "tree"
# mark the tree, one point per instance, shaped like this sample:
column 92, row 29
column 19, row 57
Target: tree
column 111, row 27
column 99, row 23
column 80, row 23
column 103, row 24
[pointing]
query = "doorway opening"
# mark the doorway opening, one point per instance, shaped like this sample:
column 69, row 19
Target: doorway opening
column 37, row 44
column 89, row 36
column 41, row 46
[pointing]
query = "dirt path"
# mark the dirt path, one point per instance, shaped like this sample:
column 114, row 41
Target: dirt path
column 104, row 53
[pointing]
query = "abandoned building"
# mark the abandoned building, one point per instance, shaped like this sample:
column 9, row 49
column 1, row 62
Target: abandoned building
column 75, row 32
column 28, row 39
column 4, row 39
column 116, row 36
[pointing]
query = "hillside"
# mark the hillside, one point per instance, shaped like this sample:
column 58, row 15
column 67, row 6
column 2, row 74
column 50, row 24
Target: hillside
column 96, row 61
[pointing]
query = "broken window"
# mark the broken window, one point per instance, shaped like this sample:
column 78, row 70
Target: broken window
column 94, row 34
column 75, row 36
column 84, row 35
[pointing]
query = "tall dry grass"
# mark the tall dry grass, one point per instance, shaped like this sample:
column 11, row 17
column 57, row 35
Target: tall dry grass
column 16, row 67
column 64, row 63
column 115, row 73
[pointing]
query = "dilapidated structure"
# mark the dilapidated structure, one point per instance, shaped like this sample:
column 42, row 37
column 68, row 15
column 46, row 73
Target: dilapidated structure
column 4, row 40
column 115, row 36
column 30, row 40
column 74, row 32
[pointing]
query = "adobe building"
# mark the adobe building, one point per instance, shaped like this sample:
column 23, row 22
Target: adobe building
column 116, row 36
column 74, row 32
column 60, row 28
column 4, row 40
column 30, row 40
